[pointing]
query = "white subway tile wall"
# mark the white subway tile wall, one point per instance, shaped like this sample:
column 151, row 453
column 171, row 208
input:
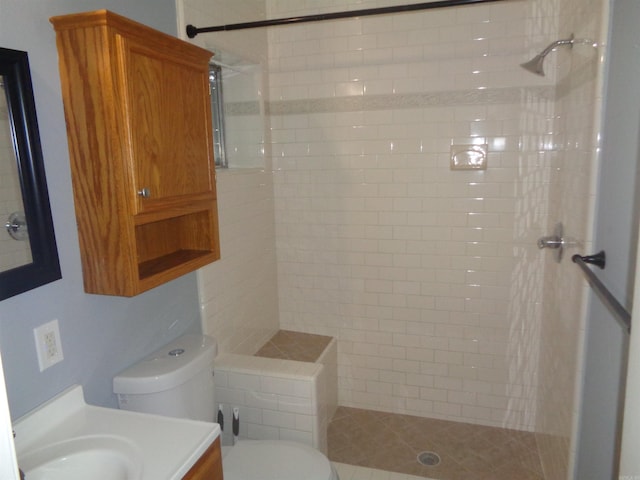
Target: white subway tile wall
column 329, row 388
column 238, row 293
column 277, row 399
column 572, row 193
column 428, row 277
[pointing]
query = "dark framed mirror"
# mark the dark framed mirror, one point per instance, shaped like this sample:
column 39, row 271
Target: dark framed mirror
column 28, row 251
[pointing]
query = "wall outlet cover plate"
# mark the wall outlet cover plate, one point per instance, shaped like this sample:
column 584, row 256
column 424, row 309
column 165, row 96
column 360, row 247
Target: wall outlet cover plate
column 48, row 345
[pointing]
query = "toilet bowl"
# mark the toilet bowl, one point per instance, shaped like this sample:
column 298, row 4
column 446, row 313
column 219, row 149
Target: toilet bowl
column 177, row 381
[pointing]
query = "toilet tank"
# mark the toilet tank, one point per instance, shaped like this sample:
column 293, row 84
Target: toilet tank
column 175, row 380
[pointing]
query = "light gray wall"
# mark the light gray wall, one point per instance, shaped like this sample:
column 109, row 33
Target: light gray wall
column 616, row 233
column 100, row 335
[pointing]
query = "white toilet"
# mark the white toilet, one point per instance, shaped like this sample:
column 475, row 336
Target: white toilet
column 177, row 381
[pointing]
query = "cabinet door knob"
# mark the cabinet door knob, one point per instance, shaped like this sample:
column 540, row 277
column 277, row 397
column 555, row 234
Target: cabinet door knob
column 144, row 193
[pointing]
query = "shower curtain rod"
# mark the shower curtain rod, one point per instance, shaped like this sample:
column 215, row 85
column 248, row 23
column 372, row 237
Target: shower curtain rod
column 620, row 313
column 192, row 31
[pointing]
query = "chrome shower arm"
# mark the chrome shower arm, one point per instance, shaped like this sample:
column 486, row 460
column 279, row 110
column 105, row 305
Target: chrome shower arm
column 536, row 64
column 567, row 41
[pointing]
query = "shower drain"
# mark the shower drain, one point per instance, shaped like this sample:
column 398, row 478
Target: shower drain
column 428, row 459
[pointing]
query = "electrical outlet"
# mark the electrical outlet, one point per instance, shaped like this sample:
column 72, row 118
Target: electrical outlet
column 48, row 345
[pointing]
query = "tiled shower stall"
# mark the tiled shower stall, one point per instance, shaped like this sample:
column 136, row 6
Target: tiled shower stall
column 349, row 221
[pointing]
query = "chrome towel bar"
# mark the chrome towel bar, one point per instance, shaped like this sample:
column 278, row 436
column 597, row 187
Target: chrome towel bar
column 599, row 259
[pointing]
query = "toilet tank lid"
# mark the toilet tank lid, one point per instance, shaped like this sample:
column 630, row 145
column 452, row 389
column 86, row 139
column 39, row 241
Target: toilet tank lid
column 169, row 366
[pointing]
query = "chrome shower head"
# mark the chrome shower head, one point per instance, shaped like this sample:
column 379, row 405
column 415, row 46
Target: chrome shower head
column 536, row 64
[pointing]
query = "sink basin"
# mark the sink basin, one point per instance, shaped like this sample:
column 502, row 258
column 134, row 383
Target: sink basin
column 96, row 457
column 65, row 438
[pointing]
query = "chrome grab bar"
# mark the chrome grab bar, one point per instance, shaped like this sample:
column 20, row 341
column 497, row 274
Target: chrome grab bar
column 599, row 259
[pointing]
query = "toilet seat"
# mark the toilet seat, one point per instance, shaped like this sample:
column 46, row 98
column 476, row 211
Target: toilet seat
column 275, row 460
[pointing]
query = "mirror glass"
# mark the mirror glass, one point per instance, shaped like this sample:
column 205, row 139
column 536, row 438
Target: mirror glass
column 15, row 249
column 28, row 252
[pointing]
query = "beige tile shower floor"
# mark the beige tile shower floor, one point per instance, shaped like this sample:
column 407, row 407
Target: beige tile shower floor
column 391, row 442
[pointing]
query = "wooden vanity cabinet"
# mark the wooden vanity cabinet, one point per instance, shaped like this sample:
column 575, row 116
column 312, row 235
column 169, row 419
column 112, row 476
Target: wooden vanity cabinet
column 208, row 466
column 138, row 120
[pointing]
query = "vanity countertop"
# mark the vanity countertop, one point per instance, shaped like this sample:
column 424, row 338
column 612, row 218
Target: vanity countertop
column 148, row 447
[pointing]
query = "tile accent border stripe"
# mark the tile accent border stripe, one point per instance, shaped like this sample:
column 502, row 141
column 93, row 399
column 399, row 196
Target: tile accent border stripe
column 242, row 108
column 409, row 100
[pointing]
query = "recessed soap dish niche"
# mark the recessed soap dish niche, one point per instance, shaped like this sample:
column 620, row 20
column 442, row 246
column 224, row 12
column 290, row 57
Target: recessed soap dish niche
column 469, row 157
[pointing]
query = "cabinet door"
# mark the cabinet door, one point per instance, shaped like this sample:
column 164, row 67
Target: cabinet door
column 170, row 133
column 209, row 466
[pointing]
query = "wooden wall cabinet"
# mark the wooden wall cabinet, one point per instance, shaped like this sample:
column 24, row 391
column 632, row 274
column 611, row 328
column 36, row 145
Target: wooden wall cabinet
column 208, row 466
column 138, row 120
